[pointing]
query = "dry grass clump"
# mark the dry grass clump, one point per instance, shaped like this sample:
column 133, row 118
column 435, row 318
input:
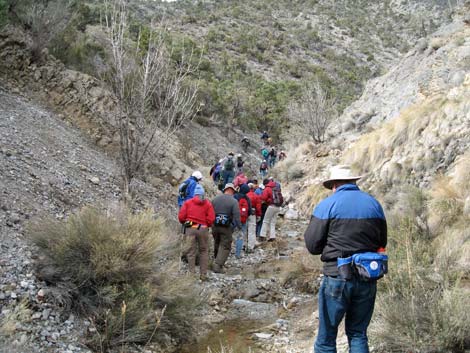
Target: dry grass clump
column 433, row 309
column 383, row 146
column 447, row 203
column 106, row 264
column 425, row 280
column 16, row 315
column 310, row 197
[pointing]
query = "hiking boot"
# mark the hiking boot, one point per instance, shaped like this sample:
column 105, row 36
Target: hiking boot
column 271, row 239
column 217, row 268
column 204, row 278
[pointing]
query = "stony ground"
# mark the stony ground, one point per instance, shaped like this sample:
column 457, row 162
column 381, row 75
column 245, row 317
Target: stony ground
column 265, row 302
column 49, row 169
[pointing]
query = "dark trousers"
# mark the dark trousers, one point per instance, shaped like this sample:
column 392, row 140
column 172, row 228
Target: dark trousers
column 222, row 243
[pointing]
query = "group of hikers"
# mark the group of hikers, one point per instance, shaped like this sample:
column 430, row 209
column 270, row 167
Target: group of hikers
column 245, row 210
column 348, row 229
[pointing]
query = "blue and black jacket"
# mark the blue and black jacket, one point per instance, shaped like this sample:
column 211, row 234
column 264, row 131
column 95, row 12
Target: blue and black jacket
column 348, row 222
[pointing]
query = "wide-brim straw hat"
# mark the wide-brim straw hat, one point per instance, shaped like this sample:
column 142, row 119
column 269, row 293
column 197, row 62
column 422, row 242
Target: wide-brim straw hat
column 340, row 172
column 229, row 186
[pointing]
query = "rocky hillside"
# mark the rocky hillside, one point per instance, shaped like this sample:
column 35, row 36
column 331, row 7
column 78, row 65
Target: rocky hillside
column 411, row 124
column 255, row 53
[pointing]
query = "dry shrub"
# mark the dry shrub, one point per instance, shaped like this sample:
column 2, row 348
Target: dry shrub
column 17, row 314
column 107, row 264
column 288, row 170
column 423, row 296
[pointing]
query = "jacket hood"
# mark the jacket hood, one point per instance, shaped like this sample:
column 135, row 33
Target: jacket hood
column 244, row 189
column 198, row 201
column 271, row 184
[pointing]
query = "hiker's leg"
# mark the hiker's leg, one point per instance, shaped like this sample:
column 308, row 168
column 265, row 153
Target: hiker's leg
column 267, row 221
column 225, row 246
column 216, row 235
column 203, row 240
column 191, row 234
column 251, row 232
column 272, row 224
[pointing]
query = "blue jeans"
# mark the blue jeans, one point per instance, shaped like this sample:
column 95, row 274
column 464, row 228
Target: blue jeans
column 338, row 298
column 239, row 241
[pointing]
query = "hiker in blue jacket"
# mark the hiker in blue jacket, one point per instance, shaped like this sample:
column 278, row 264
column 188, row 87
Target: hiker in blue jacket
column 348, row 222
column 186, row 189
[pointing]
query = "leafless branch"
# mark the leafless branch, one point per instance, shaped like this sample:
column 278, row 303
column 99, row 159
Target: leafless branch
column 155, row 95
column 314, row 112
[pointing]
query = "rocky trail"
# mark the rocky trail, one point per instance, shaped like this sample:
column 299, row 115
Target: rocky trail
column 264, row 302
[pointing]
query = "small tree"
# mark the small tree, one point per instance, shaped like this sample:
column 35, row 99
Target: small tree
column 44, row 19
column 155, row 97
column 314, row 112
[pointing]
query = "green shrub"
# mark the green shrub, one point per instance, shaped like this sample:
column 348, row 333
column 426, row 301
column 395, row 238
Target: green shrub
column 3, row 12
column 108, row 265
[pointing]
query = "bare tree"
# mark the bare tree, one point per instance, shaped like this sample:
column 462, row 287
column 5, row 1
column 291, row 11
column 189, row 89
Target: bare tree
column 314, row 112
column 44, row 19
column 155, row 97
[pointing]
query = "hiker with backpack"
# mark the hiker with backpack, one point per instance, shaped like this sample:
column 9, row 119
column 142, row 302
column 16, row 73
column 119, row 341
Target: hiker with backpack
column 253, row 218
column 272, row 157
column 265, row 153
column 264, row 206
column 244, row 204
column 263, row 168
column 282, row 155
column 228, row 171
column 348, row 229
column 197, row 215
column 272, row 197
column 240, row 179
column 186, row 189
column 215, row 171
column 240, row 163
column 227, row 219
column 264, row 136
column 245, row 143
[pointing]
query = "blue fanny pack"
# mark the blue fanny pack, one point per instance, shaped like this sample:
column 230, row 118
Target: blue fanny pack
column 368, row 266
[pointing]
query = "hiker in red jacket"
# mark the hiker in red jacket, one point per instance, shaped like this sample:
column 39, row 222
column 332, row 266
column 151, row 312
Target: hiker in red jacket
column 197, row 214
column 270, row 217
column 254, row 217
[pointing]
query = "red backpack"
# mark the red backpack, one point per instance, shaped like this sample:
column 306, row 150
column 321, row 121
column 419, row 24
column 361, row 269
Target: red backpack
column 244, row 210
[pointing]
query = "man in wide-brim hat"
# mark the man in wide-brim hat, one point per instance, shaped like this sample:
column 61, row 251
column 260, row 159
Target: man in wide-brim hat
column 340, row 175
column 348, row 222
